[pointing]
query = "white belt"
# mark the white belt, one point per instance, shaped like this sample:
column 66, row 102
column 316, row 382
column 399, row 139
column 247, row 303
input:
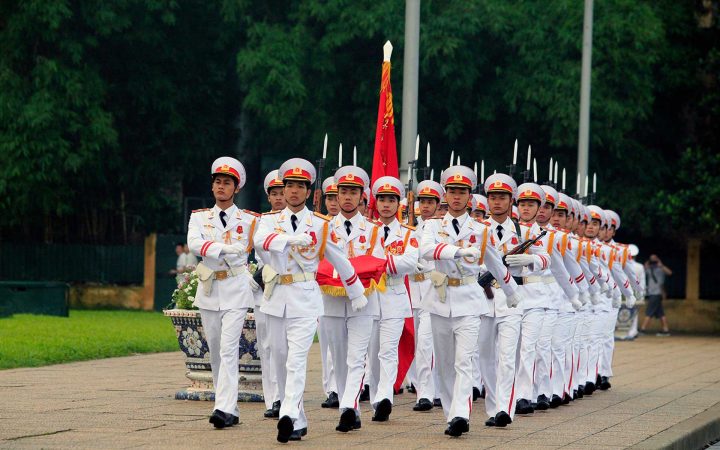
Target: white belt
column 394, row 281
column 537, row 279
column 295, row 277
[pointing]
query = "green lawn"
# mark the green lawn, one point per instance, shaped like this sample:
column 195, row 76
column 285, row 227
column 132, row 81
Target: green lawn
column 28, row 341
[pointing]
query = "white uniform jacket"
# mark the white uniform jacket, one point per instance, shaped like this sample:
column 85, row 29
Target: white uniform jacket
column 536, row 288
column 401, row 250
column 441, row 244
column 364, row 239
column 301, row 298
column 498, row 306
column 419, row 289
column 206, row 234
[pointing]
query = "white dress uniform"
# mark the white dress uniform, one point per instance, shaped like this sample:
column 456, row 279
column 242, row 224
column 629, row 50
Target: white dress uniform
column 565, row 323
column 329, row 382
column 225, row 294
column 401, row 252
column 422, row 373
column 348, row 331
column 500, row 329
column 269, row 377
column 292, row 299
column 561, row 287
column 457, row 300
column 536, row 296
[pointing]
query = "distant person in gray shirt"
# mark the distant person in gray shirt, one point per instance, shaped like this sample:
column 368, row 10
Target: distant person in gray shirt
column 655, row 273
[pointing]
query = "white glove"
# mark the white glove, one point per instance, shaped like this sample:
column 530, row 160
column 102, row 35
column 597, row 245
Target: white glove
column 303, row 240
column 595, row 298
column 470, row 252
column 420, row 267
column 604, row 287
column 254, row 286
column 514, row 299
column 609, row 293
column 630, row 301
column 584, row 298
column 616, row 302
column 576, row 304
column 519, row 260
column 359, row 303
column 233, row 249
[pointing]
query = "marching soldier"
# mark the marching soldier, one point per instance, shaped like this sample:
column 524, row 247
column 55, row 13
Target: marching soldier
column 422, row 373
column 401, row 252
column 297, row 240
column 536, row 291
column 223, row 237
column 348, row 321
column 500, row 327
column 482, row 209
column 459, row 245
column 561, row 286
column 329, row 189
column 275, row 196
column 274, row 190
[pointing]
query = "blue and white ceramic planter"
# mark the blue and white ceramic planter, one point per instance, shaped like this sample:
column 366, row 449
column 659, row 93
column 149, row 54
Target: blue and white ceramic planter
column 192, row 341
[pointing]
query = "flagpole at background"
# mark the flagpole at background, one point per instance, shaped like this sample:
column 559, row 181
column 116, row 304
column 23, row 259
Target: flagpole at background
column 411, row 61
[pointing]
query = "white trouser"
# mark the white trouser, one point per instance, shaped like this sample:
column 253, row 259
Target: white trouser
column 561, row 339
column 423, row 378
column 477, row 373
column 597, row 326
column 571, row 353
column 605, row 367
column 383, row 358
column 291, row 339
column 269, row 377
column 223, row 330
column 582, row 349
column 348, row 339
column 328, row 371
column 543, row 359
column 498, row 340
column 454, row 341
column 633, row 330
column 532, row 321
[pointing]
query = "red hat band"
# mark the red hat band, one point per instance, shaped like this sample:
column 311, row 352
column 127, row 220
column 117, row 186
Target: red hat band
column 297, row 173
column 227, row 170
column 458, row 180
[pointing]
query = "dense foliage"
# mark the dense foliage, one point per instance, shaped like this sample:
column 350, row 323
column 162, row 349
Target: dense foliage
column 110, row 112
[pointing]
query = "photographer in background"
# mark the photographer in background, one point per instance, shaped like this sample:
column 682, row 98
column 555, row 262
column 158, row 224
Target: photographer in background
column 655, row 273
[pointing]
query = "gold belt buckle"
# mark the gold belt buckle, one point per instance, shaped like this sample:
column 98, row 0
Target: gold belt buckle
column 454, row 282
column 495, row 284
column 419, row 277
column 286, row 279
column 221, row 274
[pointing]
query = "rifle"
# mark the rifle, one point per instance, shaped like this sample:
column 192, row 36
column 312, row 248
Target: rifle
column 317, row 195
column 486, row 279
column 410, row 194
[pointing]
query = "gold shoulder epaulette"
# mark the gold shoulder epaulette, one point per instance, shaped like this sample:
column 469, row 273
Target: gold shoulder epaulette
column 409, row 227
column 322, row 216
column 270, row 212
column 253, row 213
column 200, row 210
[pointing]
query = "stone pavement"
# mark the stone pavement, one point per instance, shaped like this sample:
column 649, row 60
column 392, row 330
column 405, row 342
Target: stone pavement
column 666, row 390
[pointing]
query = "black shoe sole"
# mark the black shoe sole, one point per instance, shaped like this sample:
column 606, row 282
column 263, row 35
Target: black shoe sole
column 382, row 413
column 422, row 408
column 456, row 429
column 285, row 429
column 347, row 421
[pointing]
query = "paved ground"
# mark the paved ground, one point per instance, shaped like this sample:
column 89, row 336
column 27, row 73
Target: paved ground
column 665, row 389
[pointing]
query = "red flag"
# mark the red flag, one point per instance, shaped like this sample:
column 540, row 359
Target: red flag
column 385, row 162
